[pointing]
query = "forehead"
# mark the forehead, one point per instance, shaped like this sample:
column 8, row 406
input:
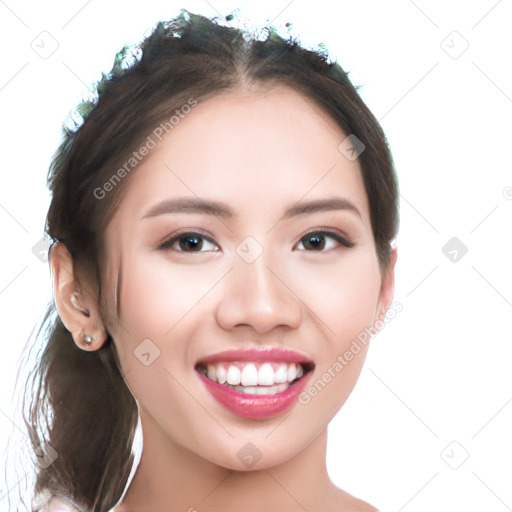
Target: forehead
column 261, row 149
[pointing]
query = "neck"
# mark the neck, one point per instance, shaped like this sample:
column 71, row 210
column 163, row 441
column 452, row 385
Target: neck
column 170, row 477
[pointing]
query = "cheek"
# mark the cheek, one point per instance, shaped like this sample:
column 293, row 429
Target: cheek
column 159, row 301
column 343, row 300
column 343, row 295
column 158, row 294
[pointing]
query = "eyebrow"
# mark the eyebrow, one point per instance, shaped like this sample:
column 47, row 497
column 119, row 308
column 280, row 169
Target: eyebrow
column 202, row 206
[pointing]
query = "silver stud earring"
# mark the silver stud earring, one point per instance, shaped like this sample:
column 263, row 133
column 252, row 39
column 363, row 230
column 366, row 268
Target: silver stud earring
column 88, row 339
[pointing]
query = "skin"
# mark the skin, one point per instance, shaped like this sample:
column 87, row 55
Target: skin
column 260, row 152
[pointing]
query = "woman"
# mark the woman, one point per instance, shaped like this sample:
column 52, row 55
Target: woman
column 222, row 221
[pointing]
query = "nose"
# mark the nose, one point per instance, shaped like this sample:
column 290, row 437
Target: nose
column 258, row 296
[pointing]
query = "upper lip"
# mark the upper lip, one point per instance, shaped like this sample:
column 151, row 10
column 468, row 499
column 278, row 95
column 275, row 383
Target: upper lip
column 271, row 354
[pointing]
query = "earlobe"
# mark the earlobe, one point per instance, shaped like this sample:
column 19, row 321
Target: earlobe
column 77, row 308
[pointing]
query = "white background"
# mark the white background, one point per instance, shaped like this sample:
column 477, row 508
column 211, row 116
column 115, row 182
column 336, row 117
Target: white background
column 439, row 373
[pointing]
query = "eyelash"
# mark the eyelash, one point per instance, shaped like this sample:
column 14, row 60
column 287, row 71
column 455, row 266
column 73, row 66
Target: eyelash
column 329, row 234
column 167, row 244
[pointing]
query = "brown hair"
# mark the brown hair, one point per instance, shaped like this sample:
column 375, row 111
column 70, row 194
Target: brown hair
column 77, row 402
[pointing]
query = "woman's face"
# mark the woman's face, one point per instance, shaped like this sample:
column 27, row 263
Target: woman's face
column 244, row 189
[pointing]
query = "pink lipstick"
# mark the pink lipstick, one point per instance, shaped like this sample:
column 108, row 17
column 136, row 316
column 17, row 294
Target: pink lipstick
column 255, row 383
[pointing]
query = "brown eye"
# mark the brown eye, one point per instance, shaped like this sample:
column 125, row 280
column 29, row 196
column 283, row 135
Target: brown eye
column 314, row 242
column 189, row 242
column 322, row 241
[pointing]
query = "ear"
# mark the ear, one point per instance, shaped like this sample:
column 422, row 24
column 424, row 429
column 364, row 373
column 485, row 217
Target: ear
column 387, row 288
column 77, row 307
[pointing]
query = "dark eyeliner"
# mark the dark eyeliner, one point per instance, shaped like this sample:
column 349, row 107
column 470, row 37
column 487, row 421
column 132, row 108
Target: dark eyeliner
column 169, row 242
column 333, row 234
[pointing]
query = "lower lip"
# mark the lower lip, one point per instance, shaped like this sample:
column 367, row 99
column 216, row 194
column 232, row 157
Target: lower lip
column 249, row 405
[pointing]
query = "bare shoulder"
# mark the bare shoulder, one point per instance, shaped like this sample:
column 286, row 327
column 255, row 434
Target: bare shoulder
column 358, row 505
column 345, row 502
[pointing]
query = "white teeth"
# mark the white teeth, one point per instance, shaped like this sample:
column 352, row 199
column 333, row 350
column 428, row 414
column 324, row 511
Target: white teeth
column 266, row 375
column 211, row 372
column 253, row 374
column 221, row 375
column 280, row 374
column 249, row 376
column 292, row 372
column 267, row 390
column 233, row 376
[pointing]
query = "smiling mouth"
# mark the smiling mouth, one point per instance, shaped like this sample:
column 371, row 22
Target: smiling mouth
column 255, row 377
